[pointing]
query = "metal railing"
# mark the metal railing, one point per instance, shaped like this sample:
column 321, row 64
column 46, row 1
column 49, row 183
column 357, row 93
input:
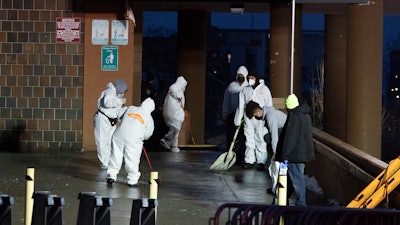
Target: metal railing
column 258, row 214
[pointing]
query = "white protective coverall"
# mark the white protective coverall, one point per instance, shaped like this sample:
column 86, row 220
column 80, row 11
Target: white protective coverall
column 109, row 104
column 231, row 96
column 174, row 113
column 275, row 120
column 254, row 130
column 136, row 126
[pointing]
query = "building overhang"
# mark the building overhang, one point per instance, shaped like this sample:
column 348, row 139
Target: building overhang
column 251, row 6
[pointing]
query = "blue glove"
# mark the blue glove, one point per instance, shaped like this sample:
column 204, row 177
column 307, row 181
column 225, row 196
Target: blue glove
column 283, row 165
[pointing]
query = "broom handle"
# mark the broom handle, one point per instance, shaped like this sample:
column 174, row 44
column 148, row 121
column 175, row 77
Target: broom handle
column 187, row 123
column 147, row 157
column 190, row 128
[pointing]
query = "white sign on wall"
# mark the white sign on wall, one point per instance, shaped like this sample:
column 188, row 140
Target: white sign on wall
column 119, row 32
column 100, row 30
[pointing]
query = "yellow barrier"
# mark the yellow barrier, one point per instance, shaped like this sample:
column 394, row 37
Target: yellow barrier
column 153, row 184
column 154, row 190
column 30, row 187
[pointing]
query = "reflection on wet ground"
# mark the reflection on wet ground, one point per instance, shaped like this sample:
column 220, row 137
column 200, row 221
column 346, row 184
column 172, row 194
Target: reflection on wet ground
column 188, row 193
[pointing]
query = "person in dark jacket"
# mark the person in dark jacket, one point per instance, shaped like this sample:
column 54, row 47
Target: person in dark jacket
column 148, row 87
column 296, row 145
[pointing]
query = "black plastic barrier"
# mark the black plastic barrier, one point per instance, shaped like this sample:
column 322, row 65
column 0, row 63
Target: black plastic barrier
column 143, row 211
column 47, row 209
column 5, row 209
column 93, row 209
column 258, row 214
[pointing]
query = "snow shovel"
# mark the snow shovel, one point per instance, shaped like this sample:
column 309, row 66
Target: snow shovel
column 227, row 159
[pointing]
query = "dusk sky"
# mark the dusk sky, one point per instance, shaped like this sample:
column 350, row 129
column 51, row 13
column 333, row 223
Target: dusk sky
column 232, row 21
column 391, row 25
column 260, row 21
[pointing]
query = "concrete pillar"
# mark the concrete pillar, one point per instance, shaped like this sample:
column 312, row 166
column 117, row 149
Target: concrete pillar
column 335, row 75
column 364, row 76
column 192, row 65
column 280, row 44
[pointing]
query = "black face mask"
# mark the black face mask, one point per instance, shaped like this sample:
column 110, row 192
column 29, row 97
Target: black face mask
column 240, row 79
column 258, row 118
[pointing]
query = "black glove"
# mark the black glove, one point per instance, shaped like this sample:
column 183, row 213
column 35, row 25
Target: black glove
column 267, row 138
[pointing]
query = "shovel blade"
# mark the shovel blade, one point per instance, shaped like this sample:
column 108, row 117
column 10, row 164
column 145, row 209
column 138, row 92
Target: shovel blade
column 224, row 161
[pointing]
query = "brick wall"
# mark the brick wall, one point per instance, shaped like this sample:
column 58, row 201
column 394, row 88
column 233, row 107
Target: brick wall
column 41, row 80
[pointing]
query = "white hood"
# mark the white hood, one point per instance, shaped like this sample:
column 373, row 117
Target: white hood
column 181, row 83
column 148, row 105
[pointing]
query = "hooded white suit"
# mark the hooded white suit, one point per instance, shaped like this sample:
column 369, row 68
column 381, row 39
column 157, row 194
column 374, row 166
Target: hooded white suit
column 231, row 96
column 108, row 106
column 136, row 126
column 174, row 113
column 229, row 106
column 254, row 130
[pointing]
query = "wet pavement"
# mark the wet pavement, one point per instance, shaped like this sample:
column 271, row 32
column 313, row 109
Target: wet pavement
column 188, row 193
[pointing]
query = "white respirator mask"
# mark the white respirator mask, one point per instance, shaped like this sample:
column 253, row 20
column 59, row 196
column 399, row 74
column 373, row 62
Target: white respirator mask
column 252, row 82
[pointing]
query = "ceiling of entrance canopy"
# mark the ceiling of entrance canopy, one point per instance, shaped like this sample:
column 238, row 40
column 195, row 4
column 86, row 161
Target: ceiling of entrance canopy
column 250, row 6
column 309, row 6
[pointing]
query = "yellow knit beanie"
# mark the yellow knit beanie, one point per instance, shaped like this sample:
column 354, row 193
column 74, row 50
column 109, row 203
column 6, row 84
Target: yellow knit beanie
column 291, row 101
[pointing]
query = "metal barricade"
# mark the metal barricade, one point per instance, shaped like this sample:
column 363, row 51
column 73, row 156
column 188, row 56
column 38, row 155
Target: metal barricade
column 318, row 215
column 252, row 213
column 370, row 217
column 227, row 211
column 241, row 214
column 275, row 214
column 257, row 214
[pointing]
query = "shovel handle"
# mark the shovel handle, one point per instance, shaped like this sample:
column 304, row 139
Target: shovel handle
column 235, row 136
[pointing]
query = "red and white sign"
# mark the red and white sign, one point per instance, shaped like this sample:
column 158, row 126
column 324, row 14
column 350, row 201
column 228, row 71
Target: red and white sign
column 68, row 29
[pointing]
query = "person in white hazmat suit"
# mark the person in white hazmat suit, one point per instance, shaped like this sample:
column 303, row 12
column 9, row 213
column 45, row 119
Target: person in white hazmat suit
column 254, row 130
column 137, row 125
column 275, row 121
column 174, row 113
column 109, row 106
column 229, row 106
